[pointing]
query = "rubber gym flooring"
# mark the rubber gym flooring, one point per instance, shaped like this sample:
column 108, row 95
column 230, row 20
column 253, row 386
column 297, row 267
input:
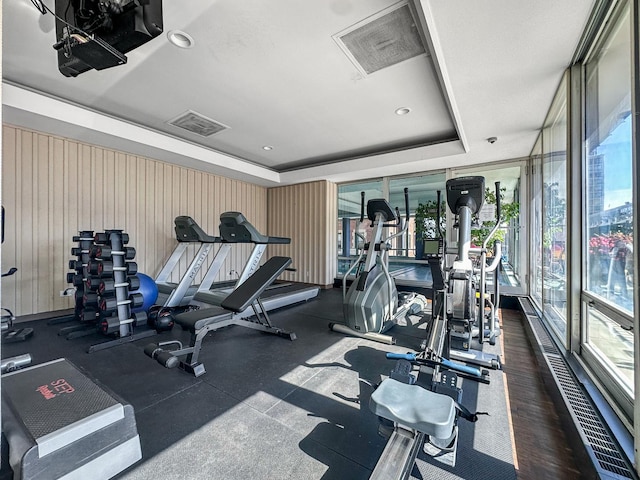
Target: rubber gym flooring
column 269, row 408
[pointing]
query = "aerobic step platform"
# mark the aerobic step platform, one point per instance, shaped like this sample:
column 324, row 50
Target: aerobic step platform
column 61, row 425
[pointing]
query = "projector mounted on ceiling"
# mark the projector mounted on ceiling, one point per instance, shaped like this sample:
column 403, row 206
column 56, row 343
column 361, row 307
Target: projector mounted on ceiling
column 94, row 34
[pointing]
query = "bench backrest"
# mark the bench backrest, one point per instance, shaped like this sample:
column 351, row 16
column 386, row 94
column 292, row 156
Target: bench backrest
column 252, row 288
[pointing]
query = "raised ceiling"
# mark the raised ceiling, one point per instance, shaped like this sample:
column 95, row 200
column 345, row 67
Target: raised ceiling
column 318, row 82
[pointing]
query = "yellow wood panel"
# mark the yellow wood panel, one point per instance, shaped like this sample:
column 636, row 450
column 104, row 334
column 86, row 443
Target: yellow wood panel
column 54, row 187
column 306, row 214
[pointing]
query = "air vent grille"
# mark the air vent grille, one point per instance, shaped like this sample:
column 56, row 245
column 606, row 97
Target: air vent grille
column 197, row 123
column 382, row 40
column 597, row 439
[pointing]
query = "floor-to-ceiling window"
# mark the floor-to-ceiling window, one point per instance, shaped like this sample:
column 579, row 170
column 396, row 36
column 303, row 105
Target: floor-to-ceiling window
column 602, row 237
column 405, row 265
column 535, row 284
column 349, row 205
column 514, row 257
column 608, row 237
column 554, row 214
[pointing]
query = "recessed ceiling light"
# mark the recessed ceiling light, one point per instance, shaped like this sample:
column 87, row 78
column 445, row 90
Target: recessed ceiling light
column 403, row 111
column 267, row 148
column 180, row 39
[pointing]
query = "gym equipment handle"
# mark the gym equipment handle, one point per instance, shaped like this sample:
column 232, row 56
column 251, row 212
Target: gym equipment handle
column 401, row 356
column 406, row 204
column 361, row 207
column 412, row 357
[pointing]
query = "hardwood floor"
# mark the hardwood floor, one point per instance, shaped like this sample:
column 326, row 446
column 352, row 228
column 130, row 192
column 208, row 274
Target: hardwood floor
column 542, row 449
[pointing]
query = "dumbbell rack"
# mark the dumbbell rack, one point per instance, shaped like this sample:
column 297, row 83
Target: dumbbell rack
column 79, row 266
column 104, row 276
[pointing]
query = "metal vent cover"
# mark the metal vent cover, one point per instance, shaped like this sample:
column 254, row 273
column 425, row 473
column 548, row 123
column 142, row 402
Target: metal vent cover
column 600, row 445
column 197, row 123
column 382, row 40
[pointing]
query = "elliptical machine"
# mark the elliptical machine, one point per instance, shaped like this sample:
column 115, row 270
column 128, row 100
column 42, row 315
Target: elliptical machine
column 371, row 305
column 467, row 297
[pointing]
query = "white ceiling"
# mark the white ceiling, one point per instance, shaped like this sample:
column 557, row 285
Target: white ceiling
column 274, row 74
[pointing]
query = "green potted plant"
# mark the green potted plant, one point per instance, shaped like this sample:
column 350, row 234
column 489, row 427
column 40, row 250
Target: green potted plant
column 508, row 212
column 425, row 221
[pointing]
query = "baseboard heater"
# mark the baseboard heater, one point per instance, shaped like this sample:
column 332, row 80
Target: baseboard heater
column 607, row 457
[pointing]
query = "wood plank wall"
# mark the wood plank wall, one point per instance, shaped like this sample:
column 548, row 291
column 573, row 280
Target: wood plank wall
column 53, row 187
column 307, row 213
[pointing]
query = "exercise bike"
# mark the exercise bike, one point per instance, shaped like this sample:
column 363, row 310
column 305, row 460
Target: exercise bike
column 372, row 305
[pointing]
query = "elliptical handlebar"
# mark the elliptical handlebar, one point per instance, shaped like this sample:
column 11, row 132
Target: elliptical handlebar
column 361, row 207
column 406, row 205
column 401, row 225
column 438, row 217
column 498, row 218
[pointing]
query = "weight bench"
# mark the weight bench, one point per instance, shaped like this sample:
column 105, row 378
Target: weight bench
column 415, row 412
column 201, row 322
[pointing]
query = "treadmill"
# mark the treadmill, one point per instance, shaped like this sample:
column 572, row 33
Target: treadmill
column 188, row 232
column 235, row 228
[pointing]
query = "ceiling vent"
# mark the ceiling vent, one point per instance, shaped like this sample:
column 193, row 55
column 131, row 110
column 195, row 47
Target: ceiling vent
column 384, row 39
column 198, row 124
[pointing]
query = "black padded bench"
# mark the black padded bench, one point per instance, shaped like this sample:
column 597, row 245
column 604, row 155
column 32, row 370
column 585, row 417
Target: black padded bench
column 201, row 322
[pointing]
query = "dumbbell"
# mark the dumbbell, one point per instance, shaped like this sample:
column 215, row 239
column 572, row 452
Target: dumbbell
column 92, row 282
column 84, row 235
column 110, row 304
column 102, row 238
column 88, row 314
column 75, row 278
column 76, row 265
column 90, row 299
column 108, row 286
column 111, row 325
column 107, row 268
column 105, row 252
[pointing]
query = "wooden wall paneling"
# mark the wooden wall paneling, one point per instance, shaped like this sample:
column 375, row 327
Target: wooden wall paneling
column 25, row 250
column 43, row 293
column 306, row 213
column 9, row 196
column 147, row 198
column 54, row 187
column 60, row 247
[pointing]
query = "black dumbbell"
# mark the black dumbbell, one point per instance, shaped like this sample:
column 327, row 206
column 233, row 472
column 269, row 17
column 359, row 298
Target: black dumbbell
column 92, row 282
column 105, row 252
column 102, row 238
column 84, row 235
column 75, row 278
column 106, row 268
column 90, row 299
column 108, row 287
column 109, row 304
column 79, row 295
column 88, row 314
column 111, row 325
column 76, row 251
column 76, row 265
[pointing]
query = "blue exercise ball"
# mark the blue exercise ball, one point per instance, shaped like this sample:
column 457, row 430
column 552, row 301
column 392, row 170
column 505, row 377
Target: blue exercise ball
column 149, row 291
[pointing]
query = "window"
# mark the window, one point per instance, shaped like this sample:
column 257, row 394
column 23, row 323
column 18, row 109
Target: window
column 554, row 214
column 608, row 236
column 514, row 257
column 535, row 287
